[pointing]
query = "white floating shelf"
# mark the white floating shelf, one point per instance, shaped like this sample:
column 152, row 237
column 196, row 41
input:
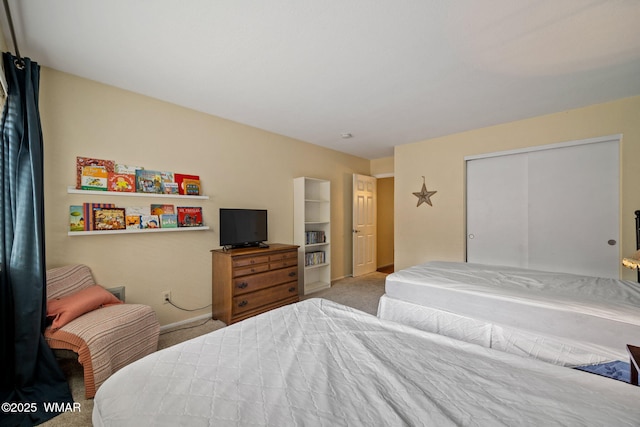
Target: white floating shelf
column 73, row 190
column 132, row 231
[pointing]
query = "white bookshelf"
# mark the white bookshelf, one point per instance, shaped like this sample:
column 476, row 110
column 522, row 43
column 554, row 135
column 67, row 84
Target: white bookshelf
column 312, row 232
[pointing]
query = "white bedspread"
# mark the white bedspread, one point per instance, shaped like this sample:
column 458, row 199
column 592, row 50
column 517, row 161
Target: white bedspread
column 602, row 313
column 609, row 298
column 317, row 363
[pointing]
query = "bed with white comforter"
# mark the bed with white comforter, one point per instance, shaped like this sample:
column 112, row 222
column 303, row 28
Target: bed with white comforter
column 558, row 317
column 318, row 363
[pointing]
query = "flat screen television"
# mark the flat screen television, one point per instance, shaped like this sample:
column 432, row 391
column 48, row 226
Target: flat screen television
column 243, row 227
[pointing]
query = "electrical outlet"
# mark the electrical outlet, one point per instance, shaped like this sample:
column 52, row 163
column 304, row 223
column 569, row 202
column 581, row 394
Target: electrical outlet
column 166, row 297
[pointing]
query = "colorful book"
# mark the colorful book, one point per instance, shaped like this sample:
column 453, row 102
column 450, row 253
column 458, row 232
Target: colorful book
column 126, row 169
column 89, row 210
column 138, row 210
column 109, row 219
column 132, row 221
column 191, row 186
column 170, row 188
column 169, row 221
column 133, row 214
column 76, row 218
column 149, row 221
column 121, row 182
column 189, row 216
column 94, row 178
column 179, row 178
column 148, row 181
column 162, row 209
column 167, row 176
column 82, row 162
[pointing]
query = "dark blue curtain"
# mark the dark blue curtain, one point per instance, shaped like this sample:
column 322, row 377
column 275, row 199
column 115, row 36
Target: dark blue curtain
column 30, row 375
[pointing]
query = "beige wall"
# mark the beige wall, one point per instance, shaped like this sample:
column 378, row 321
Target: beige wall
column 382, row 167
column 239, row 166
column 427, row 233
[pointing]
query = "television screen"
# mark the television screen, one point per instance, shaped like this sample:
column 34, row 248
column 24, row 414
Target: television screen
column 243, row 227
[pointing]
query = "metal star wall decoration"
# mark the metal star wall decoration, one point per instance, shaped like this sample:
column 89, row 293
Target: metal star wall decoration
column 423, row 195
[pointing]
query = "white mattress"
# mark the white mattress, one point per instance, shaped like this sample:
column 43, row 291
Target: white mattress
column 598, row 311
column 322, row 364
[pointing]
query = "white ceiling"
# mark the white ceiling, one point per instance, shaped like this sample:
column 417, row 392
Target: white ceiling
column 389, row 72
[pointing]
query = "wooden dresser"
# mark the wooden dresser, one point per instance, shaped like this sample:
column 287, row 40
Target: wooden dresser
column 250, row 281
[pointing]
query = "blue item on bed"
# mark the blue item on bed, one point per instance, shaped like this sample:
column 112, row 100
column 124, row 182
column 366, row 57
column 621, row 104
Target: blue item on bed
column 617, row 370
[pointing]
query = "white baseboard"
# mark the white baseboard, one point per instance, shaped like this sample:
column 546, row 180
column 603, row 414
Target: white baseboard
column 185, row 322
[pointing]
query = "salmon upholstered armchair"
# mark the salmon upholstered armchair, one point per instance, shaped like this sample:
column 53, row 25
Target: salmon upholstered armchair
column 104, row 332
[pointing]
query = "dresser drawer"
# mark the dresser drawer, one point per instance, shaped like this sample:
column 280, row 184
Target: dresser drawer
column 283, row 260
column 254, row 300
column 242, row 285
column 253, row 269
column 250, row 260
column 283, row 256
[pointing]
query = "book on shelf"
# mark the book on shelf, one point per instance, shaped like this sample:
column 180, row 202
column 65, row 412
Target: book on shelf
column 133, row 214
column 148, row 181
column 179, row 179
column 138, row 210
column 167, row 176
column 121, row 182
column 170, row 188
column 191, row 187
column 94, row 178
column 126, row 169
column 168, row 221
column 109, row 219
column 89, row 210
column 159, row 209
column 76, row 218
column 132, row 221
column 149, row 221
column 314, row 258
column 189, row 216
column 314, row 237
column 82, row 162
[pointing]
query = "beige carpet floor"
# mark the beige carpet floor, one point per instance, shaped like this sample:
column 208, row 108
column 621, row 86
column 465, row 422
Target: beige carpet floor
column 362, row 293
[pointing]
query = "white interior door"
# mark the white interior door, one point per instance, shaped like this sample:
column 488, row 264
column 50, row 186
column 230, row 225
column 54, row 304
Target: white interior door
column 364, row 224
column 553, row 209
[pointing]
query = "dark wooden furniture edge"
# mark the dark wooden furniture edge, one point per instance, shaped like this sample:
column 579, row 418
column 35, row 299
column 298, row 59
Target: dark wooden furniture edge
column 634, row 361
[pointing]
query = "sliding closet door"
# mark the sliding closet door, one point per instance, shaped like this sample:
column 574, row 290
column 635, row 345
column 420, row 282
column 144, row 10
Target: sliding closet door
column 550, row 209
column 497, row 198
column 573, row 209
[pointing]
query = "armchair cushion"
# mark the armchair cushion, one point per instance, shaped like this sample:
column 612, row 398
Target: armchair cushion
column 64, row 309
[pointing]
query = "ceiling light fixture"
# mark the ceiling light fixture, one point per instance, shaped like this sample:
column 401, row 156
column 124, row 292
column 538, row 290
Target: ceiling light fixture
column 346, row 135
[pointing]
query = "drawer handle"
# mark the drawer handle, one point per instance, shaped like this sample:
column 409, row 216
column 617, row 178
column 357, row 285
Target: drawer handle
column 243, row 303
column 253, row 261
column 243, row 285
column 293, row 273
column 292, row 289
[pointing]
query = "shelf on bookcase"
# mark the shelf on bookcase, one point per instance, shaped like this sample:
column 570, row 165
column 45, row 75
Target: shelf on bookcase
column 132, row 231
column 309, row 267
column 73, row 190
